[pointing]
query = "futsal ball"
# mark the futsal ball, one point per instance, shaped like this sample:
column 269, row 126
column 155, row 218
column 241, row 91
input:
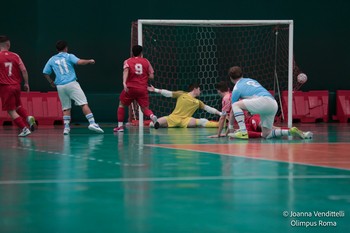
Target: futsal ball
column 302, row 78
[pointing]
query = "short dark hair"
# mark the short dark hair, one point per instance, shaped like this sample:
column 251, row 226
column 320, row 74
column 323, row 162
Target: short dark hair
column 221, row 86
column 136, row 50
column 235, row 72
column 61, row 45
column 193, row 86
column 4, row 38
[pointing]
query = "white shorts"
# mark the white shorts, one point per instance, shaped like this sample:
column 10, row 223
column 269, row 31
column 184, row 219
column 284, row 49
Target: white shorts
column 265, row 106
column 71, row 91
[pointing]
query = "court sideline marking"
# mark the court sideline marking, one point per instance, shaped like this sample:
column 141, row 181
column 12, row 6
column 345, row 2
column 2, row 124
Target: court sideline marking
column 161, row 179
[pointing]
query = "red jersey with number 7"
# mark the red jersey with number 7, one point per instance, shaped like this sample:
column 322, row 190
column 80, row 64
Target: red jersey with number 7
column 139, row 70
column 10, row 68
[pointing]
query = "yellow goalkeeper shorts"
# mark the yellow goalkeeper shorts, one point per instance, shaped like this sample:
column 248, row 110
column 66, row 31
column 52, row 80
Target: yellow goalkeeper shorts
column 176, row 121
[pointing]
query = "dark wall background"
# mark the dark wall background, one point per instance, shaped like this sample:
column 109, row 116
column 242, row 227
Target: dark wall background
column 101, row 30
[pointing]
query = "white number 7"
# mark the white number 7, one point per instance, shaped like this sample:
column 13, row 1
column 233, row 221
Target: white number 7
column 9, row 65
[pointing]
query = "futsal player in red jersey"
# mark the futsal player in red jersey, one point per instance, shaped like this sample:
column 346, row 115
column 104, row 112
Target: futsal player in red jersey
column 137, row 71
column 12, row 70
column 224, row 91
column 253, row 125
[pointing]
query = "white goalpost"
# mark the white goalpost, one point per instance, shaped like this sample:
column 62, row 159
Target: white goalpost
column 182, row 51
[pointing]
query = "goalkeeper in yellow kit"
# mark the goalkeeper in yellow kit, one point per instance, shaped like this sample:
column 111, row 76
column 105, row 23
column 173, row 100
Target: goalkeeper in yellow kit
column 186, row 105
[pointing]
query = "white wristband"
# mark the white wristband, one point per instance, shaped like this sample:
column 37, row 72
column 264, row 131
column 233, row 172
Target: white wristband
column 156, row 90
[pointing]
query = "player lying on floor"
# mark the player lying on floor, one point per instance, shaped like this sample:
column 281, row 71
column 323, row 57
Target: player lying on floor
column 253, row 125
column 186, row 105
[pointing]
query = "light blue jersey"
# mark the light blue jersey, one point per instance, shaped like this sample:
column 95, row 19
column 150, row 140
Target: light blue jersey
column 62, row 64
column 247, row 88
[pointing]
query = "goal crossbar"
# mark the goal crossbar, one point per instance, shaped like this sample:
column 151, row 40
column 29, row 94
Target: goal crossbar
column 213, row 22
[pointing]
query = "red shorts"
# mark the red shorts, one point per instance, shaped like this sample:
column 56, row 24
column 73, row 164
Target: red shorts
column 10, row 97
column 140, row 95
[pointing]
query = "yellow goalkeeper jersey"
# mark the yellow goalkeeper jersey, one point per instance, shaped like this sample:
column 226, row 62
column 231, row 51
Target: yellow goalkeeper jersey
column 186, row 105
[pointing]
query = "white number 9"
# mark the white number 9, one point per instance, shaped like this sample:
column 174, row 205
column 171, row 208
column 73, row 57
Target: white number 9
column 138, row 69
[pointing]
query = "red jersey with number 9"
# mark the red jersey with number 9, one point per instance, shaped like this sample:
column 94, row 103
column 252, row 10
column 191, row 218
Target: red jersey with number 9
column 139, row 70
column 10, row 68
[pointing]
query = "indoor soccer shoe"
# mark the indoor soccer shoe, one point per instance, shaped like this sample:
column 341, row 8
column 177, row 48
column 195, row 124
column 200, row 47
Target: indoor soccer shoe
column 239, row 135
column 25, row 132
column 156, row 125
column 294, row 131
column 96, row 128
column 308, row 135
column 155, row 122
column 66, row 131
column 32, row 123
column 119, row 129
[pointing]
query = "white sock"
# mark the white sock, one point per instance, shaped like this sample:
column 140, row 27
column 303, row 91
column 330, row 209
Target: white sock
column 239, row 116
column 90, row 118
column 153, row 117
column 66, row 121
column 275, row 133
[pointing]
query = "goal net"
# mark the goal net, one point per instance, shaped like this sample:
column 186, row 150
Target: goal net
column 187, row 51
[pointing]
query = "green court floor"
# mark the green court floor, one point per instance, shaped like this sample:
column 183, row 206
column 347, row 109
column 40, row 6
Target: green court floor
column 173, row 180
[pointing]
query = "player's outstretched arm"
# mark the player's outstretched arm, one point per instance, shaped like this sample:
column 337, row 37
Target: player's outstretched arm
column 213, row 110
column 83, row 62
column 163, row 92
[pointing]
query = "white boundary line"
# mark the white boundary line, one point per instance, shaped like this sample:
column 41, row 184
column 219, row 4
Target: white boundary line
column 174, row 179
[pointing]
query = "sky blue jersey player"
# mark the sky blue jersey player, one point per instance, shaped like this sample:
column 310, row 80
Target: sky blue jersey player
column 247, row 88
column 62, row 64
column 248, row 94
